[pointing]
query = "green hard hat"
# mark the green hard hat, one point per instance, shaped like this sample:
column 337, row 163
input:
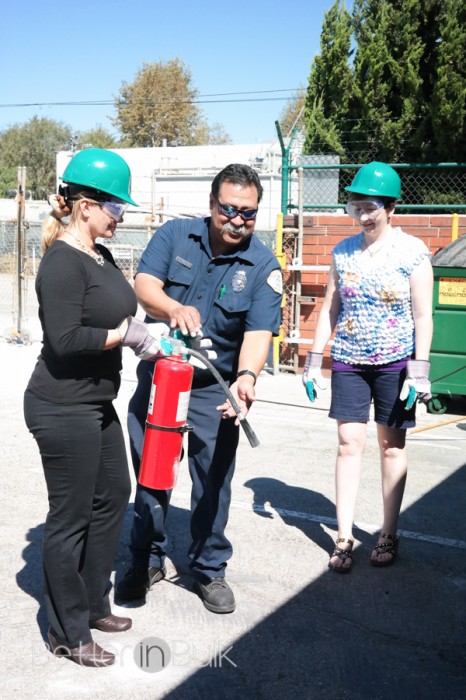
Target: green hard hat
column 102, row 170
column 377, row 180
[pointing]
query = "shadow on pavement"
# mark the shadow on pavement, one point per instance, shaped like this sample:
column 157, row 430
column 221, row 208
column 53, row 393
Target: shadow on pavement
column 375, row 634
column 287, row 500
column 177, row 528
column 31, row 579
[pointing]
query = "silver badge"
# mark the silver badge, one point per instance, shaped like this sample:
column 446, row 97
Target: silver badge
column 239, row 281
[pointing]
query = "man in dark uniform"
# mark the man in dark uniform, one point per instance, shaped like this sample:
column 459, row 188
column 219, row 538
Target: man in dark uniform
column 212, row 274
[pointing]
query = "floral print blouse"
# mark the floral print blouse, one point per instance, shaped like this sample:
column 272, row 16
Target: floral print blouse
column 375, row 325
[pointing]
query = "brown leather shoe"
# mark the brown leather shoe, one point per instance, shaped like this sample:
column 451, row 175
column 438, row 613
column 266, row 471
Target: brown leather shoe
column 90, row 654
column 111, row 623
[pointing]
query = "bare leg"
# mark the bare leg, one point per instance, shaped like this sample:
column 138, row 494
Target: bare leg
column 394, row 467
column 351, row 443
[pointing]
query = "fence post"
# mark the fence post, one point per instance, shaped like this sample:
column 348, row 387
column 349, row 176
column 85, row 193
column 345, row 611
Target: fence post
column 20, row 244
column 285, row 169
column 455, row 219
column 281, row 257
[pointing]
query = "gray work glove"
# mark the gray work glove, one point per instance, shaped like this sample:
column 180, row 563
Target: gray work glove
column 417, row 384
column 313, row 378
column 144, row 338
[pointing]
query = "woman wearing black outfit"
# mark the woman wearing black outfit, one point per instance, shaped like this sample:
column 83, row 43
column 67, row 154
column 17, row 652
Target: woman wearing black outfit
column 84, row 302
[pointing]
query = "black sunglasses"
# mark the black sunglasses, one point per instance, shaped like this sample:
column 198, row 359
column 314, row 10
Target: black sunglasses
column 231, row 212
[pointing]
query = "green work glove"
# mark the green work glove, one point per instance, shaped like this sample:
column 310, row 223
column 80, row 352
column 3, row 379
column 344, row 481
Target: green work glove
column 200, row 344
column 313, row 379
column 417, row 384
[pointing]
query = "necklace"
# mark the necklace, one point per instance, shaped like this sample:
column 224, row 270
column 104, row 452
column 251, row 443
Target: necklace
column 372, row 253
column 100, row 260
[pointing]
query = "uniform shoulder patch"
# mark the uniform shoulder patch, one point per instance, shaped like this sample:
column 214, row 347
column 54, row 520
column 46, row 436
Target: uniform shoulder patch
column 275, row 281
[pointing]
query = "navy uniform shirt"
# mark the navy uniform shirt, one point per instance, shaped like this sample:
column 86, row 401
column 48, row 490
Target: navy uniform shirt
column 235, row 292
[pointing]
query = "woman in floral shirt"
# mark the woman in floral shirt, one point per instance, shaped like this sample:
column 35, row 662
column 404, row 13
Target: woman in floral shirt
column 379, row 302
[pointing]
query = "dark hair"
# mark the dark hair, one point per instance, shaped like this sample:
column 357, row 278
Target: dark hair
column 238, row 174
column 387, row 201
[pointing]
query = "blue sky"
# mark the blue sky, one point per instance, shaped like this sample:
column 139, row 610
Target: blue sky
column 52, row 54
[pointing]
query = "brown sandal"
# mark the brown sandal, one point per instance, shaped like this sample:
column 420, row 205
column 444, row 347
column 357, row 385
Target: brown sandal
column 342, row 554
column 390, row 547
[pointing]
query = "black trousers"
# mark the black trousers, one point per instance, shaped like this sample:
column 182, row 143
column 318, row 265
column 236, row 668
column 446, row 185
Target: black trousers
column 86, row 471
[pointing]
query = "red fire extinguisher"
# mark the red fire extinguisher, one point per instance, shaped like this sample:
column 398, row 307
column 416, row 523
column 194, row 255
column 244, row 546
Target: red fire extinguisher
column 166, row 422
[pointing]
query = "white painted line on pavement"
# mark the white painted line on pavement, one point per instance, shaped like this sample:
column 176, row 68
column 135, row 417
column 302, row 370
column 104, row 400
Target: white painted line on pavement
column 425, row 442
column 362, row 526
column 445, row 541
column 440, row 438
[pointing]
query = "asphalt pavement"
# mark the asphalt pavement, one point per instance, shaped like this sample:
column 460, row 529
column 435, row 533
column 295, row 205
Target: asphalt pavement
column 300, row 630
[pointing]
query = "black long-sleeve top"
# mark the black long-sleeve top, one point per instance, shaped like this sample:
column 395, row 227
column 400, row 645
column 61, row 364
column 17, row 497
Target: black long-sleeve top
column 79, row 301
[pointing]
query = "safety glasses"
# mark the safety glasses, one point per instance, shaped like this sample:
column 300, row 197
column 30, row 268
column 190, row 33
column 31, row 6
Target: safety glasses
column 231, row 212
column 368, row 207
column 114, row 209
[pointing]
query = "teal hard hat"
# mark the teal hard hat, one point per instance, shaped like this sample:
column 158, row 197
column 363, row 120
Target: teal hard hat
column 102, row 170
column 376, row 179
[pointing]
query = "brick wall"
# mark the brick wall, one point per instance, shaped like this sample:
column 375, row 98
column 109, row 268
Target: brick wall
column 323, row 231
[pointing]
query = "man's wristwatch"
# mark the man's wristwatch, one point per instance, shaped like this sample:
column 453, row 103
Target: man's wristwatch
column 247, row 371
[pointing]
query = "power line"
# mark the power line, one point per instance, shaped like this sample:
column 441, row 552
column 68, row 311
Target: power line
column 201, row 100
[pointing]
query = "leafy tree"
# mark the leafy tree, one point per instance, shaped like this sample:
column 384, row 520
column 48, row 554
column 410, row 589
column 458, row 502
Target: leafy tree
column 214, row 134
column 33, row 145
column 330, row 84
column 161, row 104
column 293, row 113
column 8, row 179
column 98, row 137
column 217, row 135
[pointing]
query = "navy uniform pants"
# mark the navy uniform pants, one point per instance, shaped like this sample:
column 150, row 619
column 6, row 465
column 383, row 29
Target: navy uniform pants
column 88, row 483
column 211, row 458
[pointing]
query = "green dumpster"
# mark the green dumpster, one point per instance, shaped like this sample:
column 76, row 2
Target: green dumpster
column 448, row 351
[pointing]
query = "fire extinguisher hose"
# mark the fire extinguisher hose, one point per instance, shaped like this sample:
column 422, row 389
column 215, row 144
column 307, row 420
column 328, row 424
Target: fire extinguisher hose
column 250, row 434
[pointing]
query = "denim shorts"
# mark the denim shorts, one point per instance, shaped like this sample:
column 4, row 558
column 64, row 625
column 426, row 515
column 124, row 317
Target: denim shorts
column 353, row 392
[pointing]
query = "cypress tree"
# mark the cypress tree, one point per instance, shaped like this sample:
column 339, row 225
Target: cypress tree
column 388, row 98
column 403, row 97
column 448, row 106
column 330, row 85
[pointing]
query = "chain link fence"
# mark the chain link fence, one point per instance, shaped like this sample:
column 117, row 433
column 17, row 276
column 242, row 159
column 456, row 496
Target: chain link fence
column 430, row 187
column 9, row 276
column 19, row 321
column 435, row 187
column 290, row 251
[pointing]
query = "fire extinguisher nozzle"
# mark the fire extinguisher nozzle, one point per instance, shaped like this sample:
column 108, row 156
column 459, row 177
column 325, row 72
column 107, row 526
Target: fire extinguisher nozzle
column 250, row 434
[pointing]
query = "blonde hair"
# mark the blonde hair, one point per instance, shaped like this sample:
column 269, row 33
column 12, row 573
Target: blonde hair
column 54, row 226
